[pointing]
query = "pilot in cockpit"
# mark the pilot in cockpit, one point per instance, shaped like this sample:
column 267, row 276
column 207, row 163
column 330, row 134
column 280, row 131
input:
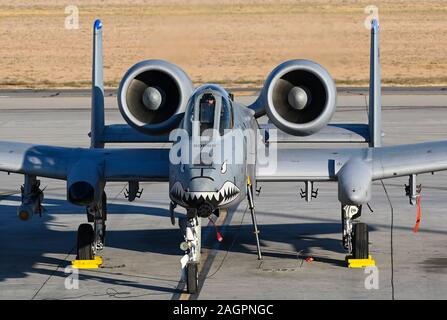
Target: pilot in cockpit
column 207, row 109
column 209, row 112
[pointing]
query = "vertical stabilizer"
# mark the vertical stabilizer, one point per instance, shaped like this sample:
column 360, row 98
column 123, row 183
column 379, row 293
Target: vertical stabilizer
column 375, row 90
column 97, row 121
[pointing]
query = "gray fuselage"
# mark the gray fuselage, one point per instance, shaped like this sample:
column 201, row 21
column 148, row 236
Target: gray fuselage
column 221, row 182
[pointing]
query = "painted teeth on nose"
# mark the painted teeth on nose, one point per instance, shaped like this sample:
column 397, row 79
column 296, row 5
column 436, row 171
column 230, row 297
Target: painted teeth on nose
column 177, row 190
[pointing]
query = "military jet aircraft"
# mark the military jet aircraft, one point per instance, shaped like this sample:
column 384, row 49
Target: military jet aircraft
column 217, row 147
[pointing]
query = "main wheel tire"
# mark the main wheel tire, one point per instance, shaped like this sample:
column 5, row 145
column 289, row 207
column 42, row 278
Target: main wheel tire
column 86, row 238
column 192, row 277
column 360, row 241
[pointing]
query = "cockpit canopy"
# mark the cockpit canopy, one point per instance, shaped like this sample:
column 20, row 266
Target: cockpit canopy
column 209, row 108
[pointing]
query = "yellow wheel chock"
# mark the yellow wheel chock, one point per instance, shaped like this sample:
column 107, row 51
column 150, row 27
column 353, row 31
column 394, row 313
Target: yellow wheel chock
column 360, row 263
column 87, row 264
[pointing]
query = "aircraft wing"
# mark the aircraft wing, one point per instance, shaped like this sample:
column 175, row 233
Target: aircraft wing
column 56, row 162
column 384, row 162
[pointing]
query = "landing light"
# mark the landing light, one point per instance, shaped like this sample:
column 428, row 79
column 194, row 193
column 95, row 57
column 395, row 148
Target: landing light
column 184, row 246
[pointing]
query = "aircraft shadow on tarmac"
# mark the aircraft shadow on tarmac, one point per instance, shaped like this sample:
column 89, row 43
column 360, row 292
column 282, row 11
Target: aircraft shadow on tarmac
column 25, row 245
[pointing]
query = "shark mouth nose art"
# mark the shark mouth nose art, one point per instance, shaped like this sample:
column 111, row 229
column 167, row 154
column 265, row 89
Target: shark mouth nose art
column 227, row 193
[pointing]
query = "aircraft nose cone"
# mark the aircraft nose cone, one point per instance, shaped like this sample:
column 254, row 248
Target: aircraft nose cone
column 152, row 98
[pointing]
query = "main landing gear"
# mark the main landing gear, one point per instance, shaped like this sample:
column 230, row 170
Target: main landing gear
column 355, row 234
column 191, row 227
column 91, row 238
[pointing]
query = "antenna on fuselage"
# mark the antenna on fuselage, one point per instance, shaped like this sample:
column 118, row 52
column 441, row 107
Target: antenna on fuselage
column 375, row 90
column 97, row 119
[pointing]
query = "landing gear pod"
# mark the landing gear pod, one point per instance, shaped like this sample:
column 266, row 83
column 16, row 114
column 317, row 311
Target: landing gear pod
column 354, row 182
column 84, row 184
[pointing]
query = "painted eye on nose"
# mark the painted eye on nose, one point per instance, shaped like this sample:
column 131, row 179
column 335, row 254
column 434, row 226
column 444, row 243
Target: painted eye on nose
column 223, row 168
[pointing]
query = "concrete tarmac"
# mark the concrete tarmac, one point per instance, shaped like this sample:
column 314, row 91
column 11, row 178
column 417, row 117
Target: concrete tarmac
column 142, row 255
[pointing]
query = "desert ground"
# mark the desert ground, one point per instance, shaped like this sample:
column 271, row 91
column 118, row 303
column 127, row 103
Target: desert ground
column 231, row 42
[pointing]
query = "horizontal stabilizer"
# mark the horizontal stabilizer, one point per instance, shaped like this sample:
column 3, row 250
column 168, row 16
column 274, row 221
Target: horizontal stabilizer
column 123, row 133
column 332, row 133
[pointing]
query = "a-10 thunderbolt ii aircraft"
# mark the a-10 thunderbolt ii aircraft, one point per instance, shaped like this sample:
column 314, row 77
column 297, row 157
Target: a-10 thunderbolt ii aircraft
column 159, row 103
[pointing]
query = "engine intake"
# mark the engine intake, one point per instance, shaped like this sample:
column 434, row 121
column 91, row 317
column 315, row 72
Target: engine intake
column 152, row 96
column 299, row 97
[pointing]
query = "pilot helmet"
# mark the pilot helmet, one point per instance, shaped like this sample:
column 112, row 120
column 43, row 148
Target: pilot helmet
column 208, row 99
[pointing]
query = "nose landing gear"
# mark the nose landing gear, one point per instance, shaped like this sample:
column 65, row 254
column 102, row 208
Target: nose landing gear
column 191, row 227
column 192, row 277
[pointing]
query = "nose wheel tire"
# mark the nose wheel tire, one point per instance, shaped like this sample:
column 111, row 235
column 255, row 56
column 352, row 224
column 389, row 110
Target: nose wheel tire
column 192, row 277
column 360, row 241
column 86, row 239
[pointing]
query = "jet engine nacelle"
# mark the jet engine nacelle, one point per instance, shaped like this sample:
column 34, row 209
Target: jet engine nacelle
column 152, row 96
column 299, row 97
column 84, row 183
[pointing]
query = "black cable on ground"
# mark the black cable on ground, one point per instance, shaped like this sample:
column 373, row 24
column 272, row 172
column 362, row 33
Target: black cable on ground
column 53, row 273
column 111, row 293
column 231, row 246
column 65, row 259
